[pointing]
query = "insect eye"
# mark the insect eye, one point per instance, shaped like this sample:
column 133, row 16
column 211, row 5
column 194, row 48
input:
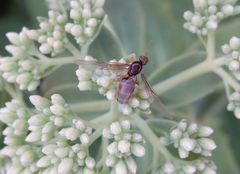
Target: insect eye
column 143, row 59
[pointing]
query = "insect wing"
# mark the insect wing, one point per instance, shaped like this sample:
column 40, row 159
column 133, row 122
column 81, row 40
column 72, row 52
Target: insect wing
column 112, row 66
column 155, row 97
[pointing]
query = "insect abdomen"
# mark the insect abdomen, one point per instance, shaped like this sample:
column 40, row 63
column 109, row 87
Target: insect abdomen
column 125, row 89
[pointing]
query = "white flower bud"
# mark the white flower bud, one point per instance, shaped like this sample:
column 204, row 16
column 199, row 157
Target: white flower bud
column 33, row 85
column 58, row 46
column 124, row 146
column 90, row 163
column 57, row 99
column 8, row 66
column 196, row 20
column 27, row 158
column 120, row 168
column 136, row 137
column 89, row 31
column 110, row 160
column 106, row 133
column 193, row 128
column 84, row 86
column 32, row 34
column 75, row 14
column 169, row 168
column 81, row 155
column 45, row 26
column 237, row 113
column 112, row 148
column 115, row 128
column 235, row 54
column 189, row 169
column 71, row 133
column 138, row 150
column 234, row 43
column 86, row 13
column 48, row 128
column 99, row 12
column 183, row 153
column 68, row 27
column 57, row 109
column 233, row 65
column 13, row 38
column 212, row 9
column 84, row 138
column 43, row 162
column 226, row 49
column 188, row 15
column 23, row 78
column 144, row 104
column 205, row 131
column 134, row 102
column 228, row 9
column 27, row 65
column 49, row 149
column 208, row 170
column 127, row 110
column 33, row 137
column 187, row 144
column 175, row 134
column 61, row 152
column 76, row 30
column 110, row 95
column 92, row 22
column 212, row 24
column 45, row 48
column 131, row 165
column 65, row 166
column 207, row 143
column 15, row 51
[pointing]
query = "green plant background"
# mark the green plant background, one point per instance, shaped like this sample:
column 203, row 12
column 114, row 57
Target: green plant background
column 152, row 27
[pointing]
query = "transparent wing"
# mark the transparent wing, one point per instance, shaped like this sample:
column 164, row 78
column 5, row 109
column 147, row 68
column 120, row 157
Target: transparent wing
column 112, row 66
column 118, row 69
column 155, row 97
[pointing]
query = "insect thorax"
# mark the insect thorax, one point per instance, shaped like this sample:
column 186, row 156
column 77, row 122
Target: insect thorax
column 135, row 68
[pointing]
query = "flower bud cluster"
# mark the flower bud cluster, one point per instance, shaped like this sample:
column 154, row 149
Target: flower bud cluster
column 233, row 49
column 125, row 143
column 234, row 104
column 21, row 68
column 18, row 156
column 51, row 35
column 15, row 116
column 190, row 138
column 54, row 118
column 51, row 146
column 207, row 14
column 87, row 16
column 202, row 166
column 108, row 80
column 61, row 158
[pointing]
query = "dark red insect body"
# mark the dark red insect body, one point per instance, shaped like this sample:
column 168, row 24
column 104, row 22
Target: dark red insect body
column 127, row 85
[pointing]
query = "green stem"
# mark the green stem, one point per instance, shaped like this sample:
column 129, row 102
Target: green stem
column 211, row 45
column 72, row 49
column 59, row 61
column 149, row 134
column 89, row 107
column 188, row 74
column 227, row 78
column 12, row 92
